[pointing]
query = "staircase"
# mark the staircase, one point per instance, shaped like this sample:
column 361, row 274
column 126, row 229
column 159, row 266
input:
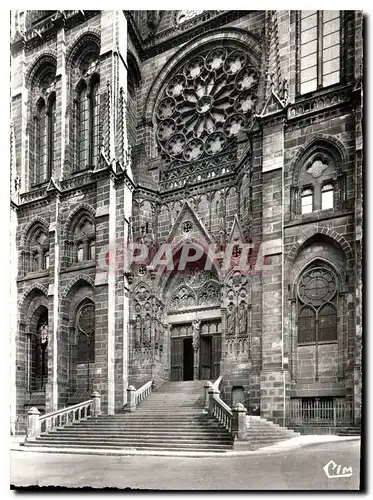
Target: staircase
column 262, row 432
column 171, row 418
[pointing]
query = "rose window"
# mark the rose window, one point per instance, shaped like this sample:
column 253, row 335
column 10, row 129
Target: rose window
column 86, row 320
column 206, row 105
column 317, row 286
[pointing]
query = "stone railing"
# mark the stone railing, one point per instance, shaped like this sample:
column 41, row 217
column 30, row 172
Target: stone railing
column 37, row 424
column 233, row 419
column 134, row 397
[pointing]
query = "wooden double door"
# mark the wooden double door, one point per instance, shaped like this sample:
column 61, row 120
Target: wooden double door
column 207, row 356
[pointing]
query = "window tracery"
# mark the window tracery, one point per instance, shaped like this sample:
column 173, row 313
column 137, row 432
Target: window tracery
column 87, row 107
column 84, row 238
column 36, row 252
column 43, row 127
column 319, row 182
column 85, row 325
column 39, row 368
column 317, row 306
column 206, row 104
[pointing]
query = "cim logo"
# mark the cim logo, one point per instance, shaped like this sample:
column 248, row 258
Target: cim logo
column 334, row 470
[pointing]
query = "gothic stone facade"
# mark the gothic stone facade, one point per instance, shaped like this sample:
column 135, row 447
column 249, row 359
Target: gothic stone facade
column 218, row 127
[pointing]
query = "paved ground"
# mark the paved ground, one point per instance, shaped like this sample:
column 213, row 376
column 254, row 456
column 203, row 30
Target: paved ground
column 300, row 468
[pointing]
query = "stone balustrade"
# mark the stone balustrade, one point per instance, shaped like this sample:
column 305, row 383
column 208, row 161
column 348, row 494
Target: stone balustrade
column 36, row 423
column 233, row 419
column 134, row 397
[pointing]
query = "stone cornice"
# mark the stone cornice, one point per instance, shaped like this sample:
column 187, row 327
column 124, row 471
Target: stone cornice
column 47, row 28
column 179, row 34
column 319, row 102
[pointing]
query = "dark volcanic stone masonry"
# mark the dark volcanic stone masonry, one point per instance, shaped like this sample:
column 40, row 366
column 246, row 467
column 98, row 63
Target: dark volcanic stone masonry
column 224, row 128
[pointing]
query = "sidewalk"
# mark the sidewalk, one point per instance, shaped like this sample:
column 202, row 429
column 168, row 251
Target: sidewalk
column 286, row 445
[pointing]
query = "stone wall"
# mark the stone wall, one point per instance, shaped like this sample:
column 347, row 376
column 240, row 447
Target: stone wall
column 256, row 202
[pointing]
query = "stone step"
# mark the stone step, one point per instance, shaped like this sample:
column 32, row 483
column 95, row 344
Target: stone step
column 159, row 436
column 268, row 438
column 130, row 432
column 271, row 434
column 142, row 448
column 134, row 444
column 148, row 428
column 137, row 438
column 193, row 419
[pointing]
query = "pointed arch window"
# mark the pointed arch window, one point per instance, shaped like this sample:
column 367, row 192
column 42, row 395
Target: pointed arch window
column 40, row 143
column 317, row 306
column 88, row 126
column 51, row 144
column 95, row 116
column 37, row 250
column 39, row 361
column 84, row 239
column 82, row 127
column 86, row 333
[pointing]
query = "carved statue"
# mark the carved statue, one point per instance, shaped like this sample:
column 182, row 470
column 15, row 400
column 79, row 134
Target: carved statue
column 138, row 331
column 156, row 331
column 153, row 18
column 196, row 326
column 147, row 326
column 242, row 316
column 231, row 319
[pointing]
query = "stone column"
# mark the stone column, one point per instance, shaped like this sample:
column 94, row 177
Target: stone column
column 13, row 319
column 196, row 334
column 57, row 384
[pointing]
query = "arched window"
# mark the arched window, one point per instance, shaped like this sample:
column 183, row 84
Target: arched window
column 37, row 250
column 85, row 324
column 51, row 144
column 40, row 143
column 306, row 325
column 82, row 127
column 317, row 313
column 87, row 109
column 95, row 123
column 43, row 130
column 319, row 182
column 84, row 238
column 327, row 322
column 39, row 361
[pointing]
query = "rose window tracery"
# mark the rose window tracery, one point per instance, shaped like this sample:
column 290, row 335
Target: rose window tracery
column 317, row 286
column 206, row 104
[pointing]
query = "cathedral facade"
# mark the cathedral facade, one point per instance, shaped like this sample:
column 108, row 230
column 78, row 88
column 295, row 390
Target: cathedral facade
column 186, row 203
